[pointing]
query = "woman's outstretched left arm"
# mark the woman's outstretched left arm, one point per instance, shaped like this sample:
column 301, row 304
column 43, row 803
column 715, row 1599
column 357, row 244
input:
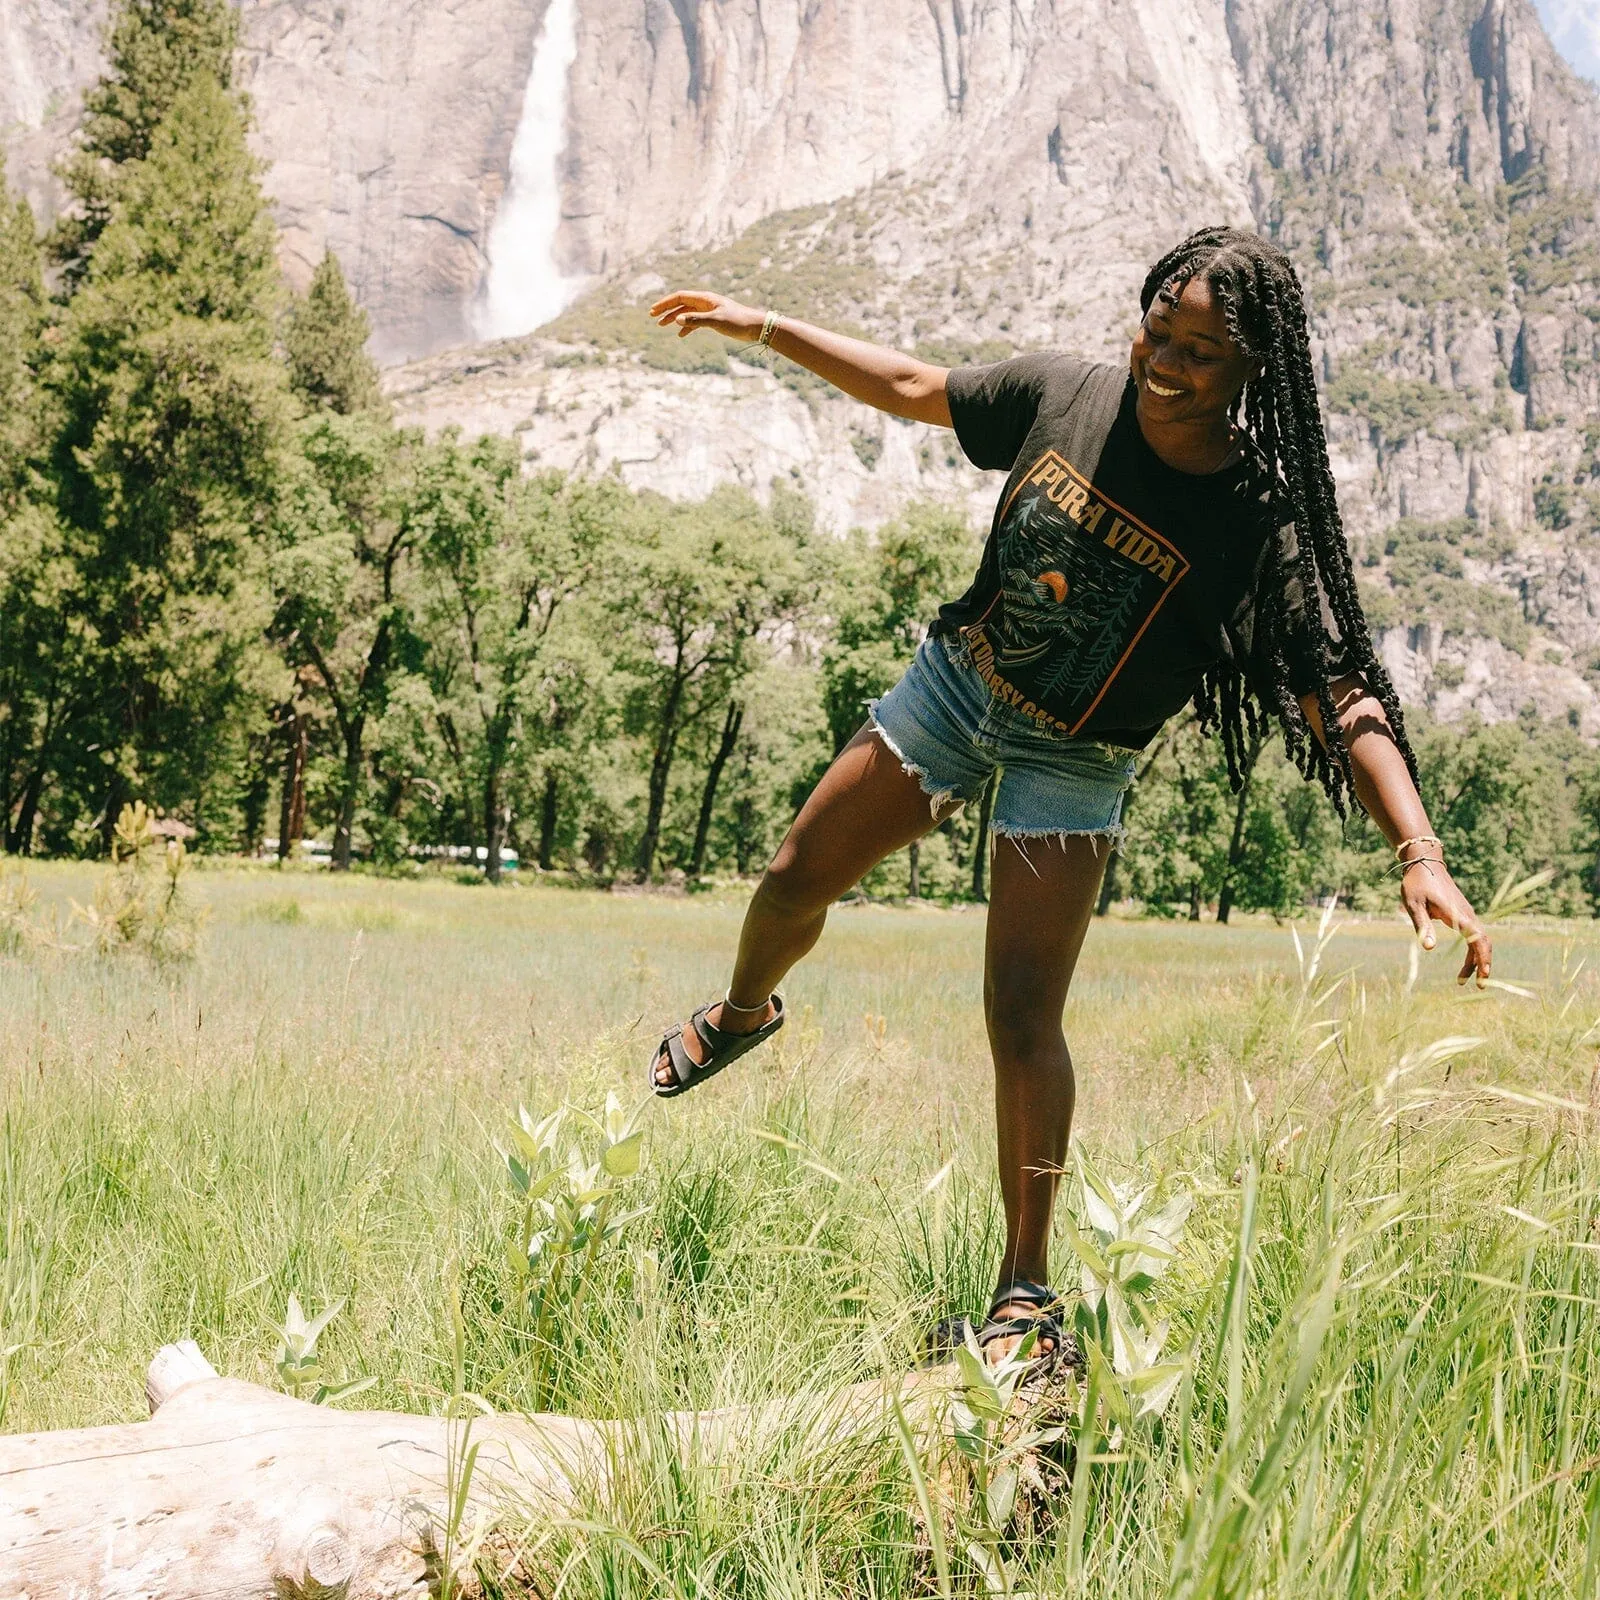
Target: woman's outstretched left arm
column 1384, row 787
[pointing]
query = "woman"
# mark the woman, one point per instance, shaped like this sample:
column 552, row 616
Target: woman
column 1160, row 532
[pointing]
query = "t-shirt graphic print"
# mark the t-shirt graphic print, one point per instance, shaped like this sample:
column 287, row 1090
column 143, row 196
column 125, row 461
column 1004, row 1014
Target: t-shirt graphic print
column 1082, row 578
column 1110, row 582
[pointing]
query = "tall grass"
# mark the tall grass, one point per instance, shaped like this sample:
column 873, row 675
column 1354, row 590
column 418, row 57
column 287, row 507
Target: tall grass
column 1385, row 1300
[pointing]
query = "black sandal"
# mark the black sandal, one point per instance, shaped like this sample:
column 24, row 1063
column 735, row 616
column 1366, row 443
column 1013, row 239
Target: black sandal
column 1044, row 1320
column 721, row 1047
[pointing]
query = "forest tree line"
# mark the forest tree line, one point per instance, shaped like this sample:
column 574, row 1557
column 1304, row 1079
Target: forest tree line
column 232, row 588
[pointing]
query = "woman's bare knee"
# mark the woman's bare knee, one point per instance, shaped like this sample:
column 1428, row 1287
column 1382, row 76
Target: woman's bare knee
column 1022, row 1024
column 789, row 888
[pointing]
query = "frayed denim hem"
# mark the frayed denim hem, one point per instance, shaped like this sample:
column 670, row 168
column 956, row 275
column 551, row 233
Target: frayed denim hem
column 1115, row 835
column 937, row 798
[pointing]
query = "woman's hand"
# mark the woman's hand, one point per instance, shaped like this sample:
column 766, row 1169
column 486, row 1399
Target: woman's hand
column 1383, row 785
column 1430, row 895
column 899, row 384
column 689, row 309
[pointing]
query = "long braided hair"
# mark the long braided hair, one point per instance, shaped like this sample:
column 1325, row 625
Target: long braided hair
column 1279, row 412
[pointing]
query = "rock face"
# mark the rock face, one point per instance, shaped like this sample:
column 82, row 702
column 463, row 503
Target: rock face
column 48, row 51
column 389, row 130
column 1004, row 136
column 387, row 127
column 682, row 434
column 957, row 173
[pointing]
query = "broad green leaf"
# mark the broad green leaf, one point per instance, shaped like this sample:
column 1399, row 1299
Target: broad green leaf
column 314, row 1328
column 1001, row 1496
column 1139, row 1245
column 1086, row 1251
column 622, row 1160
column 987, row 1563
column 341, row 1391
column 1102, row 1214
column 1154, row 1389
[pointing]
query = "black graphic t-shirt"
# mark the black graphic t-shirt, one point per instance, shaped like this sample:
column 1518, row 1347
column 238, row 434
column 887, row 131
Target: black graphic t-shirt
column 1110, row 581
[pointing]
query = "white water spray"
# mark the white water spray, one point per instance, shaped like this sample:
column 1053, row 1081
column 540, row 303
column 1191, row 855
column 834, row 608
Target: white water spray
column 525, row 288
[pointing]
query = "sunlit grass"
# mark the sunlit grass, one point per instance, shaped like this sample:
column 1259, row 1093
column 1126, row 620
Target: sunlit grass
column 1386, row 1295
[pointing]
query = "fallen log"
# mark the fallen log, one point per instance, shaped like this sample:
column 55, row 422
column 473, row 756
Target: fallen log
column 234, row 1492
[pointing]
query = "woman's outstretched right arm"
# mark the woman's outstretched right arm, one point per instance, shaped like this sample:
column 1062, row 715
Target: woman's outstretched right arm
column 899, row 384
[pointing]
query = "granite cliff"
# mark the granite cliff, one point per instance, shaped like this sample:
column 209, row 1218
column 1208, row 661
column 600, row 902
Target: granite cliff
column 969, row 177
column 387, row 128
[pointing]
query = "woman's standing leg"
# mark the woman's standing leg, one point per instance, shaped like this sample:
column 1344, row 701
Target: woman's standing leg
column 1041, row 901
column 866, row 807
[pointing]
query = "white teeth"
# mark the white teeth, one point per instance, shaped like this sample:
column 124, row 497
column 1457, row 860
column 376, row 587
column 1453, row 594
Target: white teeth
column 1156, row 388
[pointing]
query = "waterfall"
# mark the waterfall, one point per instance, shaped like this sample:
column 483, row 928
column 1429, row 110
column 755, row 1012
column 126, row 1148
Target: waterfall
column 525, row 288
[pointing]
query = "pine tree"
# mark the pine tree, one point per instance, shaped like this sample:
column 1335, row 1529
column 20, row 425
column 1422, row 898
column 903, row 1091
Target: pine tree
column 22, row 319
column 42, row 666
column 155, row 50
column 176, row 420
column 326, row 343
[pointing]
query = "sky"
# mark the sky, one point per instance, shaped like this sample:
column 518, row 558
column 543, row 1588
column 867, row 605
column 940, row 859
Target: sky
column 1574, row 28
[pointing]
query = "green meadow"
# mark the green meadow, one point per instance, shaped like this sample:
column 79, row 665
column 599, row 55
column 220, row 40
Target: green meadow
column 1383, row 1306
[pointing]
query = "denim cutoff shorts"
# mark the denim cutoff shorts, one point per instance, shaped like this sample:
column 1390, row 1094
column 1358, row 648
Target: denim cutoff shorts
column 950, row 733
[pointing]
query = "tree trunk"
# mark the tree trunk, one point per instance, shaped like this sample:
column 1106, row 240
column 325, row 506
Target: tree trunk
column 116, row 799
column 254, row 805
column 19, row 840
column 349, row 791
column 731, row 725
column 743, row 835
column 548, row 813
column 493, row 823
column 1236, row 844
column 914, row 881
column 292, row 809
column 660, row 772
column 1194, row 901
column 980, row 847
column 1108, row 884
column 232, row 1492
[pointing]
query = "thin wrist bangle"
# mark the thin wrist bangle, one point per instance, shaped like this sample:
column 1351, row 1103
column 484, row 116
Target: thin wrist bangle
column 768, row 328
column 1403, row 867
column 1405, row 844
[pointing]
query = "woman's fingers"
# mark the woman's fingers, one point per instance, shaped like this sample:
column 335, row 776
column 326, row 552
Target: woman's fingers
column 687, row 325
column 1433, row 900
column 680, row 301
column 1480, row 951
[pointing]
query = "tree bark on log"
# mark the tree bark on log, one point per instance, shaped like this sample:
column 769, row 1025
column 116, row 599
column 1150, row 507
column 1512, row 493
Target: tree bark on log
column 233, row 1492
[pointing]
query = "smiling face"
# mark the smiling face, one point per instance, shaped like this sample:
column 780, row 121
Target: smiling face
column 1187, row 366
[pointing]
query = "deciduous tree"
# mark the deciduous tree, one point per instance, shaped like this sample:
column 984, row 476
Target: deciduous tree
column 703, row 587
column 505, row 556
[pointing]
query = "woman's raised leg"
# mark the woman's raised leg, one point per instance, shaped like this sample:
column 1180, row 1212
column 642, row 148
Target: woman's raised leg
column 866, row 807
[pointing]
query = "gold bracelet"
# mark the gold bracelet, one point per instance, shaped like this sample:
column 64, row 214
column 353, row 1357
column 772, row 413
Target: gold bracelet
column 768, row 328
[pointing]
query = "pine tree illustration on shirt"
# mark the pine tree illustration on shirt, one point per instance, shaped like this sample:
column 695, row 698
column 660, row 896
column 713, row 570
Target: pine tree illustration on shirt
column 1080, row 674
column 1076, row 590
